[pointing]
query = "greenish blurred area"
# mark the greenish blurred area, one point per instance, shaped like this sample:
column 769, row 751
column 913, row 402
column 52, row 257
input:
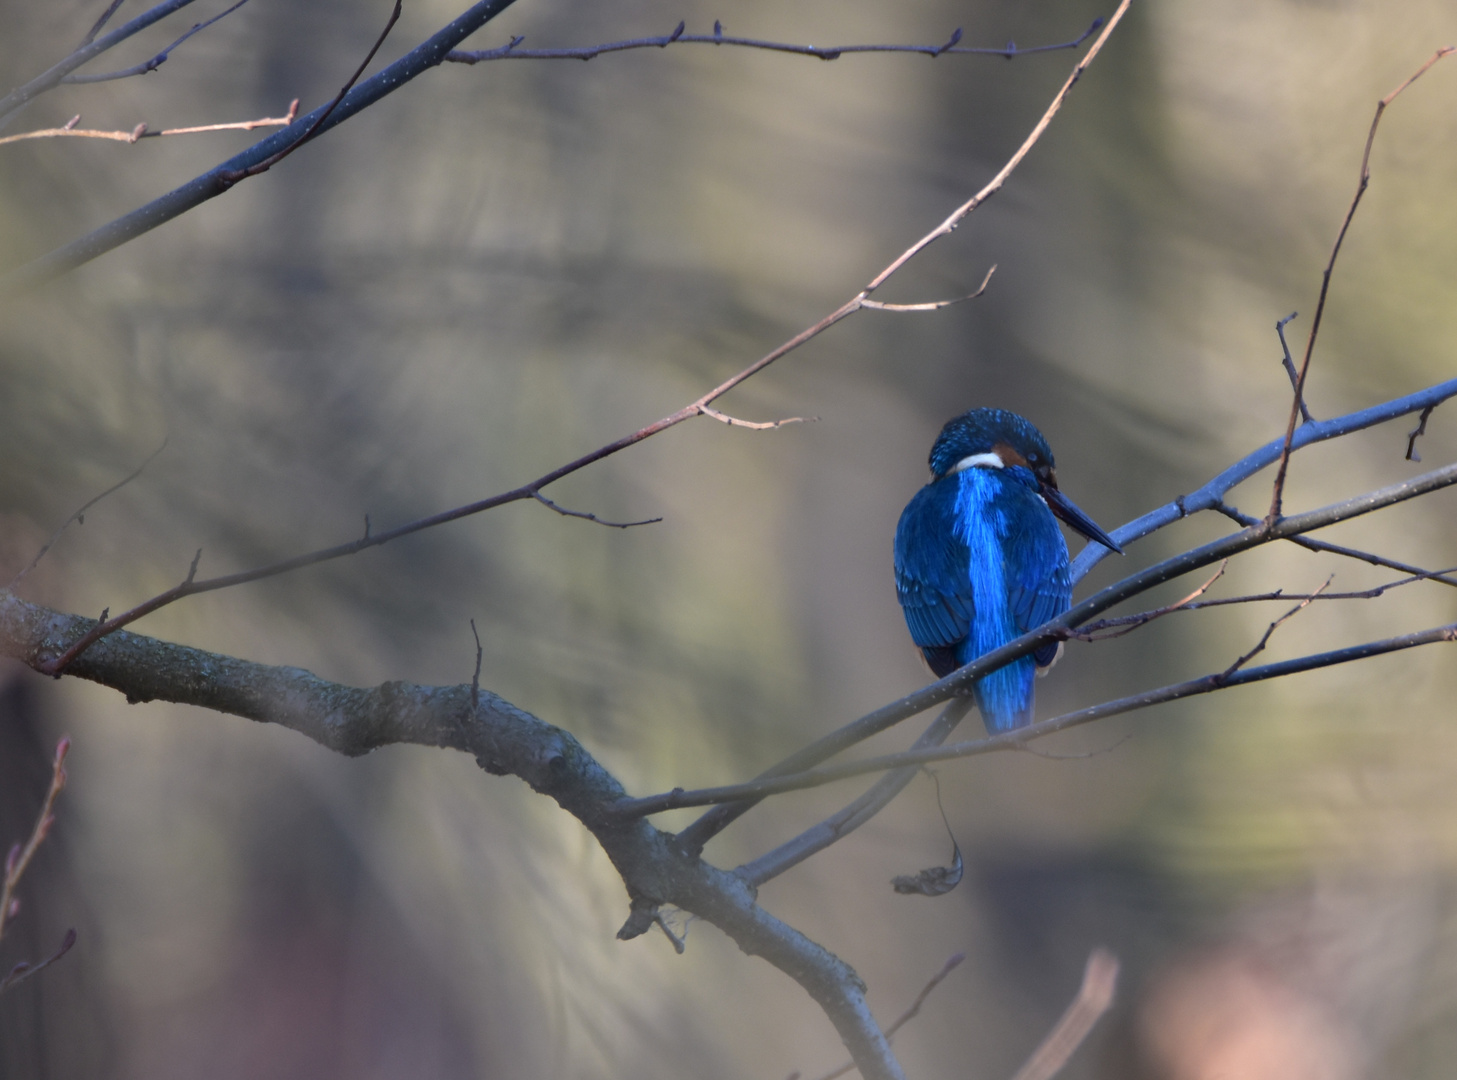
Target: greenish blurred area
column 502, row 267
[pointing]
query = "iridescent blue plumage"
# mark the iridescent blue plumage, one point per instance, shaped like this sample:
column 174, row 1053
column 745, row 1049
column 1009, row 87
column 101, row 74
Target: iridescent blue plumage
column 979, row 559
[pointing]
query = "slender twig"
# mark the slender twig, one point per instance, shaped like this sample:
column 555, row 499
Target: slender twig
column 100, row 23
column 1211, row 495
column 1015, row 740
column 1417, row 433
column 24, row 970
column 48, row 80
column 141, row 131
column 155, row 62
column 696, row 408
column 1270, row 631
column 933, row 305
column 513, row 51
column 235, row 175
column 1095, row 997
column 475, row 678
column 952, row 963
column 1348, row 552
column 849, row 818
column 214, row 182
column 1278, row 488
column 766, row 425
column 1289, row 363
column 79, row 517
column 18, row 861
column 1091, row 631
column 564, row 512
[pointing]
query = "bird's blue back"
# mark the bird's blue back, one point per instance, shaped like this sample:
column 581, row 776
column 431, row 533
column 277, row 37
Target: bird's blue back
column 979, row 560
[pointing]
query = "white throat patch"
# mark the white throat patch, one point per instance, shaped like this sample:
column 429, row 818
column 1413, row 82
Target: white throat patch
column 988, row 460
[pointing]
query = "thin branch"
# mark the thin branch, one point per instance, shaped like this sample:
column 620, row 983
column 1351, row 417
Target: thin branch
column 24, row 970
column 1129, row 623
column 1095, row 997
column 100, row 23
column 1289, row 363
column 952, row 963
column 1417, row 433
column 1270, row 631
column 1015, row 740
column 1278, row 489
column 215, row 181
column 562, row 510
column 934, row 305
column 1211, row 495
column 475, row 679
column 155, row 62
column 141, row 131
column 838, row 825
column 49, row 80
column 1349, row 552
column 18, row 861
column 1091, row 631
column 767, row 425
column 234, row 176
column 532, row 489
column 513, row 51
column 79, row 517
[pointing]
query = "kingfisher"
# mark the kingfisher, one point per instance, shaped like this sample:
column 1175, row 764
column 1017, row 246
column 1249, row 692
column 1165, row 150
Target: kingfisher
column 979, row 559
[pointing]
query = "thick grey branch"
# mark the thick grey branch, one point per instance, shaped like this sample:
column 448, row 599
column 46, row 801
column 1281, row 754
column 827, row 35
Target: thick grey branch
column 505, row 740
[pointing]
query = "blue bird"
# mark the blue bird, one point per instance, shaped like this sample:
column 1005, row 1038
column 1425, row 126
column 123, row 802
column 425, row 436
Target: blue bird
column 979, row 559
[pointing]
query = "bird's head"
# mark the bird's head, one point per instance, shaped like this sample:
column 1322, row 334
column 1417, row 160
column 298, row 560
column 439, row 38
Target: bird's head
column 998, row 439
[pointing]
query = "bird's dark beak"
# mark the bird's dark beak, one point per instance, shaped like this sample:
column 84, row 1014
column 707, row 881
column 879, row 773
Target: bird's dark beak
column 1066, row 509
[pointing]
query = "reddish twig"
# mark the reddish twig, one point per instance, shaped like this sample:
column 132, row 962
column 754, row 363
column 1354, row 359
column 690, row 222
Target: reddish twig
column 934, row 305
column 141, row 131
column 18, row 861
column 1270, row 630
column 564, row 512
column 532, row 489
column 512, row 50
column 1095, row 997
column 1278, row 489
column 1130, row 623
column 767, row 425
column 1289, row 363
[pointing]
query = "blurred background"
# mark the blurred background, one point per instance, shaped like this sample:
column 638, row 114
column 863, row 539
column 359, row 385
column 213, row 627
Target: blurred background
column 505, row 266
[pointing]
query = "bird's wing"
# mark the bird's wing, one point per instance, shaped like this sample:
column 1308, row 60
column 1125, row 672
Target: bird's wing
column 930, row 569
column 1039, row 586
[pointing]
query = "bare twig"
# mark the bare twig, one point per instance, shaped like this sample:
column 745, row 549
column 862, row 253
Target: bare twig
column 562, row 510
column 475, row 678
column 513, row 51
column 233, row 176
column 155, row 62
column 695, row 408
column 24, row 970
column 141, row 131
column 50, row 79
column 18, row 861
column 1290, row 364
column 767, row 425
column 80, row 515
column 1270, row 631
column 1348, row 552
column 935, row 880
column 1130, row 623
column 1278, row 489
column 933, row 305
column 1417, row 433
column 840, row 824
column 1095, row 997
column 100, row 23
column 952, row 963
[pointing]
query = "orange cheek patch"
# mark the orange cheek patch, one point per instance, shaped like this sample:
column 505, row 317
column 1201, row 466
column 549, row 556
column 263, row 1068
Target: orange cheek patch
column 1008, row 455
